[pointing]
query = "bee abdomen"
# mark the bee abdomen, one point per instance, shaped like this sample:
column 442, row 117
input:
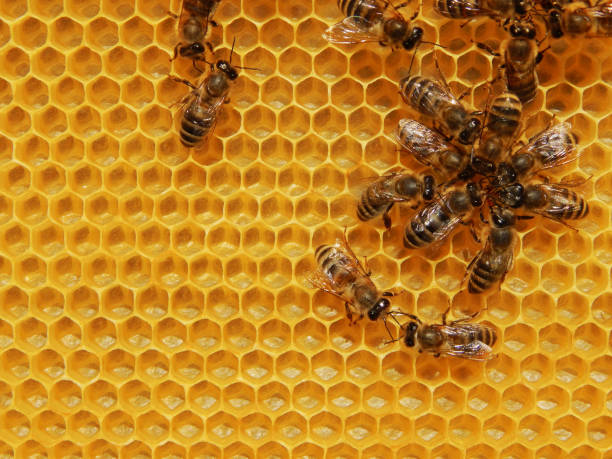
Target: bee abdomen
column 369, row 205
column 360, row 8
column 457, row 9
column 194, row 129
column 524, row 87
column 482, row 277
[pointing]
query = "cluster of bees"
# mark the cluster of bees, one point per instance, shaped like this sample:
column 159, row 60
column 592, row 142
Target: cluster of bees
column 474, row 161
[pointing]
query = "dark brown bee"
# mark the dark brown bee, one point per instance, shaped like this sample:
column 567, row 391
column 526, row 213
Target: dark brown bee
column 551, row 147
column 462, row 9
column 341, row 274
column 380, row 195
column 201, row 106
column 495, row 259
column 193, row 25
column 503, row 121
column 430, row 148
column 434, row 99
column 436, row 220
column 456, row 339
column 578, row 18
column 549, row 200
column 373, row 21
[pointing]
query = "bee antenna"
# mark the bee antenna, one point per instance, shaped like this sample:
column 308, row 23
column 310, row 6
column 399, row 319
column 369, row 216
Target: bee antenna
column 416, row 48
column 247, row 68
column 232, row 51
column 434, row 43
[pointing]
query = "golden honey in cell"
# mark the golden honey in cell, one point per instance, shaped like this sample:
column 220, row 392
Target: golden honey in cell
column 380, row 196
column 373, row 21
column 455, row 339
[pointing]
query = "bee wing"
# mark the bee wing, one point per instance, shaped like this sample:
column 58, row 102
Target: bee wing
column 599, row 11
column 350, row 30
column 554, row 146
column 559, row 202
column 423, row 143
column 474, row 350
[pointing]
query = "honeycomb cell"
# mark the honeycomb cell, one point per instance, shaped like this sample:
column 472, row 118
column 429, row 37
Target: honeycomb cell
column 16, row 122
column 66, row 33
column 15, row 63
column 33, row 92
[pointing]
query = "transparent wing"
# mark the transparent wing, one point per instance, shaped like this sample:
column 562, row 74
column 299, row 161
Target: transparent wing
column 384, row 186
column 426, row 145
column 559, row 201
column 317, row 279
column 468, row 9
column 599, row 11
column 553, row 147
column 353, row 29
column 456, row 334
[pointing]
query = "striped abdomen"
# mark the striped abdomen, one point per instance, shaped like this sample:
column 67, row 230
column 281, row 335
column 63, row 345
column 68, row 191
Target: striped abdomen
column 521, row 76
column 371, row 203
column 196, row 123
column 491, row 264
column 468, row 333
column 423, row 94
column 458, row 9
column 424, row 226
column 370, row 10
column 567, row 205
column 505, row 114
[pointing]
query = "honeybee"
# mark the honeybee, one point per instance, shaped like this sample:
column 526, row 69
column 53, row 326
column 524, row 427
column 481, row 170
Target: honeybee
column 430, row 148
column 551, row 147
column 201, row 106
column 495, row 259
column 379, row 196
column 503, row 120
column 193, row 25
column 466, row 9
column 436, row 220
column 578, row 18
column 434, row 99
column 341, row 274
column 521, row 56
column 373, row 21
column 552, row 201
column 456, row 339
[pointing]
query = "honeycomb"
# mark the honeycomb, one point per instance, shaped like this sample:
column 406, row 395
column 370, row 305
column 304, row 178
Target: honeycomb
column 153, row 301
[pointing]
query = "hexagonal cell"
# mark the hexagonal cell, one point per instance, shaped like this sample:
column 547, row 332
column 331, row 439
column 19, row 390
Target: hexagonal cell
column 6, row 92
column 16, row 122
column 347, row 94
column 563, row 99
column 330, row 64
column 15, row 63
column 118, row 9
column 33, row 93
column 294, row 64
column 101, row 208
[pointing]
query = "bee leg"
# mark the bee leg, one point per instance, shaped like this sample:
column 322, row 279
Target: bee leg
column 486, row 48
column 389, row 332
column 473, row 232
column 214, row 23
column 540, row 55
column 445, row 313
column 176, row 51
column 468, row 318
column 386, row 221
column 349, row 313
column 172, row 15
column 444, row 82
column 182, row 80
column 465, row 23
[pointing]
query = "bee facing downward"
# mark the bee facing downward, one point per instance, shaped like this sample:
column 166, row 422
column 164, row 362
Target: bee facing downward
column 193, row 25
column 456, row 339
column 341, row 274
column 373, row 21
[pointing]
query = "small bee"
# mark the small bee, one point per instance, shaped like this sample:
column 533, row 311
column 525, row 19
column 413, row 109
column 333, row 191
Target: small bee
column 193, row 25
column 579, row 18
column 456, row 339
column 341, row 274
column 380, row 195
column 430, row 148
column 502, row 123
column 436, row 220
column 462, row 9
column 552, row 201
column 434, row 99
column 551, row 147
column 521, row 56
column 495, row 259
column 201, row 106
column 373, row 21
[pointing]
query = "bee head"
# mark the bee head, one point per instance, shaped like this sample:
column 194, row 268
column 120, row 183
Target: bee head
column 512, row 195
column 501, row 217
column 471, row 131
column 505, row 174
column 411, row 331
column 227, row 68
column 523, row 30
column 483, row 166
column 413, row 38
column 474, row 194
column 375, row 311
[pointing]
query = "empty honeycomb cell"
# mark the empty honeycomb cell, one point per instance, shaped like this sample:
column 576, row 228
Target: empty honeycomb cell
column 552, row 400
column 6, row 93
column 580, row 70
column 204, row 397
column 118, row 239
column 118, row 9
column 136, row 33
column 381, row 94
column 66, row 33
column 172, row 208
column 15, row 239
column 30, row 396
column 15, row 63
column 555, row 339
column 589, row 339
column 31, row 334
column 48, row 302
column 187, row 426
column 240, row 272
column 573, row 247
column 66, row 333
column 587, row 401
column 31, row 271
column 598, row 431
column 6, row 209
column 294, row 122
column 83, row 366
column 536, row 369
column 520, row 339
column 67, row 150
column 473, row 67
column 570, row 370
column 258, row 242
column 241, row 209
column 347, row 94
column 276, row 34
column 596, row 98
column 242, row 151
column 152, row 427
column 591, row 278
column 244, row 32
column 224, row 240
column 16, row 122
column 16, row 425
column 239, row 398
column 33, row 93
column 15, row 364
column 135, row 394
column 538, row 245
column 562, row 99
column 187, row 366
column 556, row 277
